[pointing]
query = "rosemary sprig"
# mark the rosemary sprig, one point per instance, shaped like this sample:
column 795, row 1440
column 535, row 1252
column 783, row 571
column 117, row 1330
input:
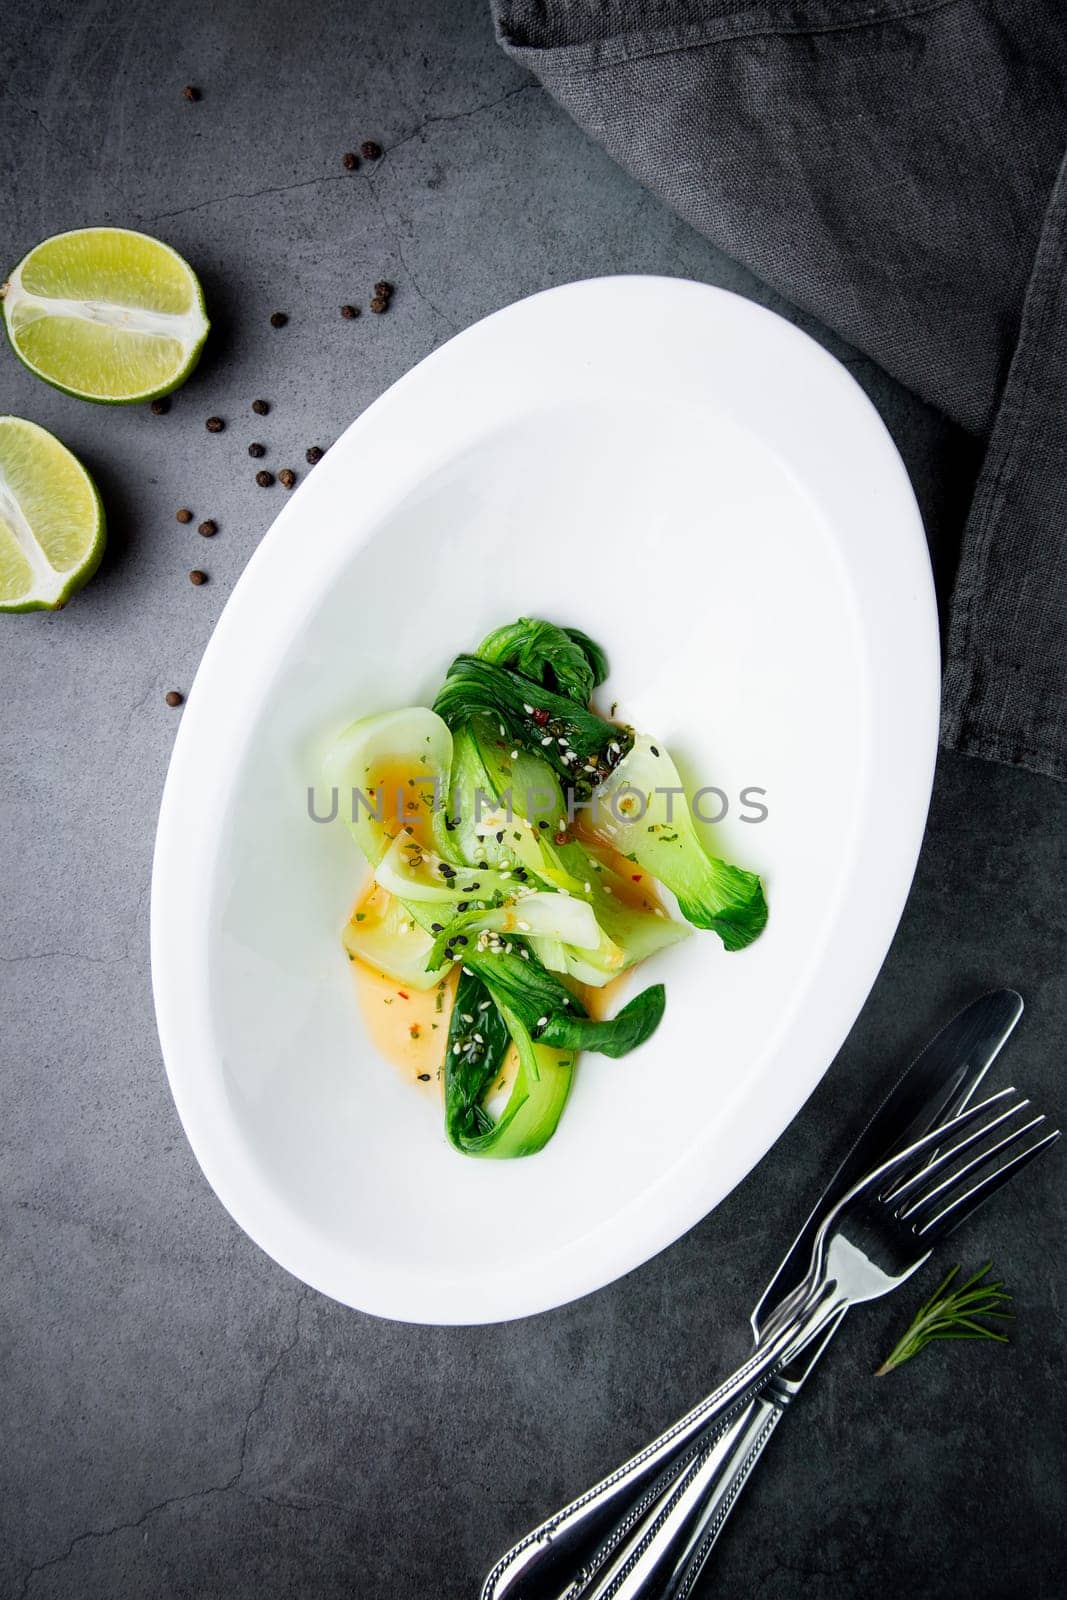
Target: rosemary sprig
column 950, row 1314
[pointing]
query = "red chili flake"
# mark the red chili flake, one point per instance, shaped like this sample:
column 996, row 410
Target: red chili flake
column 402, row 995
column 559, row 838
column 540, row 717
column 635, row 877
column 415, row 1030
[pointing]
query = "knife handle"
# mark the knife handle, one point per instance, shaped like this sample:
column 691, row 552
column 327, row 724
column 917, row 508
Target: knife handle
column 544, row 1564
column 746, row 1440
column 626, row 1506
column 664, row 1554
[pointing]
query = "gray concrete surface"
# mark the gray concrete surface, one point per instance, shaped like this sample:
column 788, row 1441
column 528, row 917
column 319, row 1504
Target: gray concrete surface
column 179, row 1417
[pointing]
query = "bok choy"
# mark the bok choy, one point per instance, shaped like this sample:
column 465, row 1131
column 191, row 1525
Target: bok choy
column 518, row 835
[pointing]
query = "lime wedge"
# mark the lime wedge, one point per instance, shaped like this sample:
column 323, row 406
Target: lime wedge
column 106, row 314
column 51, row 519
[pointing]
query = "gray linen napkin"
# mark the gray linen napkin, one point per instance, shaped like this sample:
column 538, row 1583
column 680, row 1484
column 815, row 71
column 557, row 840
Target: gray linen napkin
column 897, row 169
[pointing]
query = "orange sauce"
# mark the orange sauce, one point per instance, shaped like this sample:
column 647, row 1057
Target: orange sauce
column 405, row 801
column 604, row 1002
column 407, row 1026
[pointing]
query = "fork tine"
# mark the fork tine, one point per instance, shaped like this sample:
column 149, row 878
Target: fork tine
column 903, row 1161
column 944, row 1158
column 958, row 1210
column 931, row 1196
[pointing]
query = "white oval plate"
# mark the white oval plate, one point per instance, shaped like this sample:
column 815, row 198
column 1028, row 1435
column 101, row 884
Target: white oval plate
column 709, row 494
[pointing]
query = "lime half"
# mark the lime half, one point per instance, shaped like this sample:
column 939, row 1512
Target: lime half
column 51, row 519
column 106, row 315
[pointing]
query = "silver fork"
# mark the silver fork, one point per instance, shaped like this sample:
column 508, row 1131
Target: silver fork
column 871, row 1241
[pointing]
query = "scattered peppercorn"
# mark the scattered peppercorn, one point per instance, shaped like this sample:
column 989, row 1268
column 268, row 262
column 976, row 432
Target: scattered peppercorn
column 257, row 450
column 313, row 454
column 209, row 529
column 197, row 577
column 381, row 287
column 287, row 477
column 260, row 407
column 191, row 92
column 350, row 161
column 278, row 319
column 350, row 313
column 379, row 304
column 160, row 407
column 424, row 1077
column 370, row 151
column 184, row 515
column 264, row 479
column 214, row 424
column 173, row 698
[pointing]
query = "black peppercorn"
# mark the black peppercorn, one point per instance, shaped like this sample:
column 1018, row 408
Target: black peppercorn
column 184, row 515
column 278, row 319
column 379, row 304
column 264, row 479
column 209, row 529
column 191, row 92
column 257, row 450
column 197, row 577
column 287, row 477
column 349, row 312
column 160, row 407
column 173, row 698
column 381, row 287
column 214, row 424
column 370, row 151
column 350, row 161
column 260, row 407
column 313, row 454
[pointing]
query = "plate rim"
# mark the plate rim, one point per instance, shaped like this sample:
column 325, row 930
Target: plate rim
column 178, row 902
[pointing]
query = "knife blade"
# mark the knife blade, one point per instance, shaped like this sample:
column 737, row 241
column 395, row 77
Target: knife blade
column 937, row 1084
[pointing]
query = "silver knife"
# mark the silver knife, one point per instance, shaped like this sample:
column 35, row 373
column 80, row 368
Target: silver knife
column 937, row 1085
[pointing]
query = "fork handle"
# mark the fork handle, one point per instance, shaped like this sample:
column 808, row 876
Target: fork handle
column 759, row 1421
column 749, row 1437
column 667, row 1547
column 546, row 1564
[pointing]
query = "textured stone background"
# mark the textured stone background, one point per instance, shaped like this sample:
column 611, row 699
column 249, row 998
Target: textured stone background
column 179, row 1417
